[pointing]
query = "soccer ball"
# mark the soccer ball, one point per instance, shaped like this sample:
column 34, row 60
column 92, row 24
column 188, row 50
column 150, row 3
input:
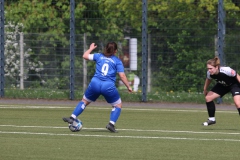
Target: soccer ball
column 76, row 125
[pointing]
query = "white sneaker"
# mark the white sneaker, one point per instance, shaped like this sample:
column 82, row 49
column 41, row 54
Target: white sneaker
column 208, row 122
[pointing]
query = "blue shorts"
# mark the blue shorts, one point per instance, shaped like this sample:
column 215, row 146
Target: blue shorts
column 107, row 89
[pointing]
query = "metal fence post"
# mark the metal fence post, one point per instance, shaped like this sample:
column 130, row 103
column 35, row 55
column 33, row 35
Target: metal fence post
column 72, row 48
column 84, row 62
column 220, row 37
column 221, row 31
column 144, row 50
column 149, row 65
column 21, row 44
column 2, row 48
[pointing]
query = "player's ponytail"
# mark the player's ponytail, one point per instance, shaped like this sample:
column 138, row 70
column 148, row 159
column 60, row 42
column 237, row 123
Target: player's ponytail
column 217, row 61
column 214, row 62
column 110, row 49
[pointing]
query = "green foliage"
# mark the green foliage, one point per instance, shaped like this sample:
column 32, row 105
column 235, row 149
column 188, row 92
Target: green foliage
column 232, row 52
column 185, row 43
column 189, row 62
column 182, row 33
column 156, row 96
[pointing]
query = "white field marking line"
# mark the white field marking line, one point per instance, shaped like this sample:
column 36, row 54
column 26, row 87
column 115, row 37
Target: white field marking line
column 34, row 107
column 134, row 130
column 101, row 108
column 133, row 137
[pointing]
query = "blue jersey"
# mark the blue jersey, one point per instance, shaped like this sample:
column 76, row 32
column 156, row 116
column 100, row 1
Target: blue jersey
column 107, row 67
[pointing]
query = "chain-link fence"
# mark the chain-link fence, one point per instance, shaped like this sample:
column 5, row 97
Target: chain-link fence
column 182, row 36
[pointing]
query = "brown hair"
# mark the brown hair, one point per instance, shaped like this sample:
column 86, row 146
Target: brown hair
column 110, row 49
column 214, row 62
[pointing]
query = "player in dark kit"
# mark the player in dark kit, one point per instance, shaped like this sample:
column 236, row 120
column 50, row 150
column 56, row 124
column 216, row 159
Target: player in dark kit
column 228, row 80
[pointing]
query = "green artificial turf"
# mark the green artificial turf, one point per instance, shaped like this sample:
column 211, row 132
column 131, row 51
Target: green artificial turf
column 38, row 133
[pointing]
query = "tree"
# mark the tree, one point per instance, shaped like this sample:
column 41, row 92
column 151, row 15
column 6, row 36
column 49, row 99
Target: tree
column 181, row 30
column 12, row 56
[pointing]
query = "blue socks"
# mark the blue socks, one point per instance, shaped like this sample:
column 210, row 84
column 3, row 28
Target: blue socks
column 115, row 114
column 79, row 109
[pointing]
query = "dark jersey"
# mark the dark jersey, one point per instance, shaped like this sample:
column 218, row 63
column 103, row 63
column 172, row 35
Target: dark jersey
column 226, row 76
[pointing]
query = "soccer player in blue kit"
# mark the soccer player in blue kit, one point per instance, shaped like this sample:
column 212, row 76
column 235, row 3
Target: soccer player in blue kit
column 103, row 83
column 228, row 80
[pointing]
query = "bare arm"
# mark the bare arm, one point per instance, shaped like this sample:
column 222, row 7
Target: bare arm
column 238, row 78
column 207, row 82
column 87, row 53
column 125, row 80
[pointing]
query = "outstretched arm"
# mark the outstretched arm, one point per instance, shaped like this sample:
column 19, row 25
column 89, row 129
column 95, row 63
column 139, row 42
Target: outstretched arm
column 87, row 53
column 125, row 80
column 207, row 82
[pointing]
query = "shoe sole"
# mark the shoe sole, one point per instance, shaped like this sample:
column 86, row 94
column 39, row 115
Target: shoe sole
column 111, row 130
column 65, row 120
column 207, row 124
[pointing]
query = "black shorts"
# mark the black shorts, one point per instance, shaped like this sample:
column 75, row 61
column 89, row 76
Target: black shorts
column 222, row 90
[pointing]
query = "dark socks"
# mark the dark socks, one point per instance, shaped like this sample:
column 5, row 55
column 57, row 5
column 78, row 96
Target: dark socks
column 211, row 109
column 239, row 111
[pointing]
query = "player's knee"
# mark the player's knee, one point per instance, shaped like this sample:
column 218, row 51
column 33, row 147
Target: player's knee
column 237, row 103
column 118, row 105
column 86, row 102
column 208, row 98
